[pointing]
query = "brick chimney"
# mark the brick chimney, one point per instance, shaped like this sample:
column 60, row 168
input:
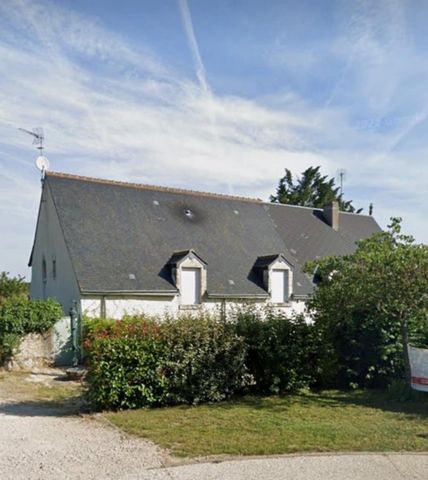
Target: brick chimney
column 331, row 214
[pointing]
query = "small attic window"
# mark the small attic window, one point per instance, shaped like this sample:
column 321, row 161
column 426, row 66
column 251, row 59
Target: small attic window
column 131, row 276
column 54, row 269
column 44, row 271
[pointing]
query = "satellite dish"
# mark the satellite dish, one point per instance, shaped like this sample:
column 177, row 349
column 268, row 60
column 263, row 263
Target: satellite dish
column 42, row 163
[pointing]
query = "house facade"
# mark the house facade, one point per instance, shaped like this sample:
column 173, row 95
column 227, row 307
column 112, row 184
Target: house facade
column 115, row 248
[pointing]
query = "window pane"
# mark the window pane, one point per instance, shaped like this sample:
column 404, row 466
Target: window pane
column 190, row 286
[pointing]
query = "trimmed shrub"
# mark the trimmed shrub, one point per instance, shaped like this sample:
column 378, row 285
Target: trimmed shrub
column 205, row 360
column 19, row 316
column 282, row 353
column 139, row 362
column 125, row 363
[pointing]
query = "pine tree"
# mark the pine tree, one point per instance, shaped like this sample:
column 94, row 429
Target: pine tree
column 311, row 189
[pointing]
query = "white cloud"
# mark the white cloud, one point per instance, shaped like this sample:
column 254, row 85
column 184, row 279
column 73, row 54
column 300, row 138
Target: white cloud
column 133, row 118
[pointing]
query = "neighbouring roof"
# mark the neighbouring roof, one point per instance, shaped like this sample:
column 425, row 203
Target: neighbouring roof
column 116, row 231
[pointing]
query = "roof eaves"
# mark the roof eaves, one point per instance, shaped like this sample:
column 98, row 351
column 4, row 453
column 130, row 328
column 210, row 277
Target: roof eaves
column 160, row 293
column 237, row 295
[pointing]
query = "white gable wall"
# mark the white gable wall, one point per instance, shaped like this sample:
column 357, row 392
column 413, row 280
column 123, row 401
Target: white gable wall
column 49, row 244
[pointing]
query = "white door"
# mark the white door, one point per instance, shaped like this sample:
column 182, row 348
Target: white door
column 190, row 286
column 279, row 286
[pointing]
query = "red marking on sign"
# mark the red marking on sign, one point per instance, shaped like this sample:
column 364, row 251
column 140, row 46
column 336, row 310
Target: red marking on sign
column 420, row 380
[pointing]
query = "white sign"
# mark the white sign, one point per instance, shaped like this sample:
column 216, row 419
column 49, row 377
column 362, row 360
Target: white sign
column 419, row 368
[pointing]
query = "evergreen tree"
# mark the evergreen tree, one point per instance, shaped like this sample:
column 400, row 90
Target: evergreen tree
column 310, row 190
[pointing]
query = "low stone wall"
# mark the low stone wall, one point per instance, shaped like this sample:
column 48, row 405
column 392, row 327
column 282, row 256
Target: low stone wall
column 36, row 351
column 44, row 350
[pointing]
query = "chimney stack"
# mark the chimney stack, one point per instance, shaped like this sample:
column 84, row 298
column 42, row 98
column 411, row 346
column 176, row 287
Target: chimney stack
column 331, row 214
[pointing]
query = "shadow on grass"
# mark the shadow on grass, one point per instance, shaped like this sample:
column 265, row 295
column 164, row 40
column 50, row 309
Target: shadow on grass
column 332, row 399
column 381, row 400
column 44, row 408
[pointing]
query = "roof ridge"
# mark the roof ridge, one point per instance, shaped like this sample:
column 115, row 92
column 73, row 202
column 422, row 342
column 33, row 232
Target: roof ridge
column 144, row 186
column 316, row 208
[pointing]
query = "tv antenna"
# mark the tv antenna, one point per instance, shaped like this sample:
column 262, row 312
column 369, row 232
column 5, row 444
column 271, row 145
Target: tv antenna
column 42, row 163
column 342, row 177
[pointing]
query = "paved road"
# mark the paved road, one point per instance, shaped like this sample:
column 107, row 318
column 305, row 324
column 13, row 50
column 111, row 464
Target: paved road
column 331, row 467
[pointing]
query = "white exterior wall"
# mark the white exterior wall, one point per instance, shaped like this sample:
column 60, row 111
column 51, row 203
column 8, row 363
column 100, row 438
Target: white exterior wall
column 49, row 243
column 157, row 306
column 91, row 307
column 117, row 308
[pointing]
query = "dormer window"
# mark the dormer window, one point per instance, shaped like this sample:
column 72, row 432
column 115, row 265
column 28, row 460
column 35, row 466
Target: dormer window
column 190, row 286
column 279, row 286
column 277, row 274
column 189, row 273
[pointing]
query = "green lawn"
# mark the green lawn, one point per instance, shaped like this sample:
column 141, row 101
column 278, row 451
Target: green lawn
column 304, row 422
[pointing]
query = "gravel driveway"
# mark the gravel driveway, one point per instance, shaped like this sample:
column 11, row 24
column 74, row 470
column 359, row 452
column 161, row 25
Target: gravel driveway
column 37, row 442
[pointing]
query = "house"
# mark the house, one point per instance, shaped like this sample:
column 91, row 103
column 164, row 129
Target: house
column 117, row 248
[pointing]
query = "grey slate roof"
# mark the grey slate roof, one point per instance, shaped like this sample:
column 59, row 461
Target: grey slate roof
column 114, row 229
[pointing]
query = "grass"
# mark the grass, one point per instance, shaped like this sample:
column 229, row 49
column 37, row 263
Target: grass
column 328, row 421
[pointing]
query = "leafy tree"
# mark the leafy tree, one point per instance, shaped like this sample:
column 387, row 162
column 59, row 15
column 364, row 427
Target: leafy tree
column 310, row 190
column 369, row 304
column 12, row 287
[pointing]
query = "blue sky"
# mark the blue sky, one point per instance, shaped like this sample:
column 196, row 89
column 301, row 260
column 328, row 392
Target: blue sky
column 219, row 96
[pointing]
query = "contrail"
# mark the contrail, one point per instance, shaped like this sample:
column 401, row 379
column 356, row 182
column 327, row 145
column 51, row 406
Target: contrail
column 202, row 78
column 188, row 27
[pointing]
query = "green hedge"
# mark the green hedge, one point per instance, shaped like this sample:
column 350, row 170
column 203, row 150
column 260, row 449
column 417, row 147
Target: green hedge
column 282, row 353
column 125, row 363
column 205, row 359
column 140, row 361
column 19, row 316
